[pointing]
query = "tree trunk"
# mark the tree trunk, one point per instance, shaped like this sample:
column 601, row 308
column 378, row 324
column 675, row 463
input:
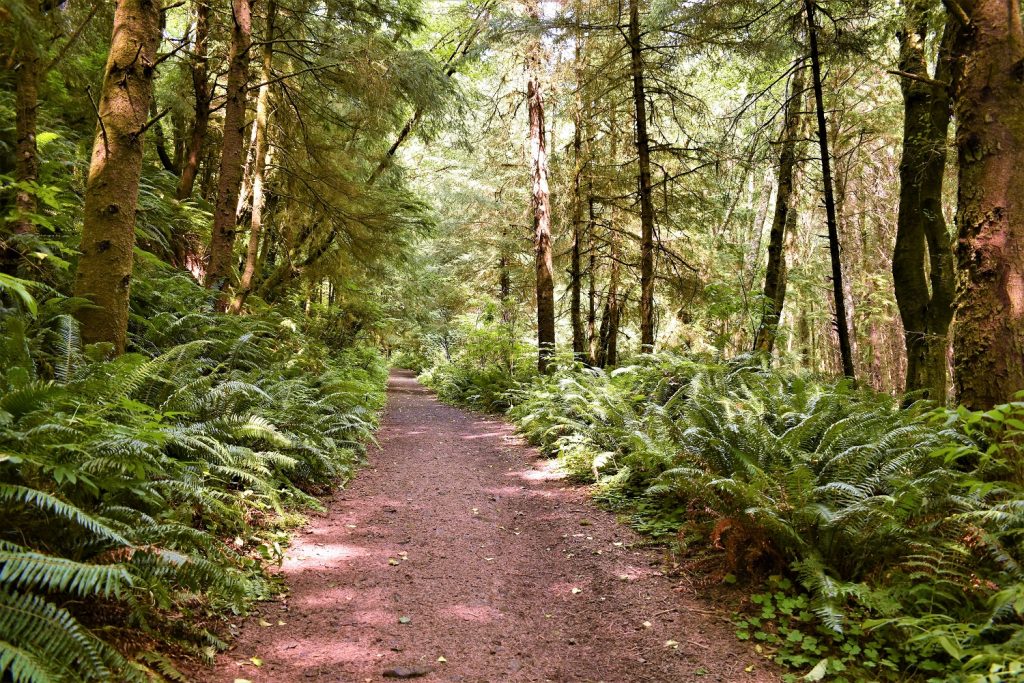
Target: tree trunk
column 923, row 251
column 541, row 201
column 26, row 109
column 841, row 321
column 643, row 150
column 222, row 239
column 111, row 192
column 504, row 286
column 591, row 282
column 989, row 90
column 260, row 156
column 612, row 346
column 608, row 343
column 579, row 341
column 774, row 295
column 203, row 95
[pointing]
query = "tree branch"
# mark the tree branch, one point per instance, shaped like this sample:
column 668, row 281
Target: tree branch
column 152, row 122
column 103, row 128
column 920, row 79
column 293, row 74
column 957, row 11
column 74, row 37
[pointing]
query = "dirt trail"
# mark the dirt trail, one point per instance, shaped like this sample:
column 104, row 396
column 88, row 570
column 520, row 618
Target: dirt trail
column 457, row 542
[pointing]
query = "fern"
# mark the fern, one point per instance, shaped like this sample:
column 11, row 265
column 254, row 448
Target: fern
column 119, row 481
column 24, row 570
column 892, row 512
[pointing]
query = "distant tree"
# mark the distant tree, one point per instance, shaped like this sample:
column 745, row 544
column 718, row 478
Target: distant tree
column 839, row 296
column 220, row 271
column 540, row 195
column 783, row 218
column 644, row 188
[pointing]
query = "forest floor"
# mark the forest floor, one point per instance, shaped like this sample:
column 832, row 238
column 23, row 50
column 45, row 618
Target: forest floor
column 459, row 555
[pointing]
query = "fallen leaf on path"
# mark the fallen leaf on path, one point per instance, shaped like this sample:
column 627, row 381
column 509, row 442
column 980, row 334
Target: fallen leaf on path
column 242, row 680
column 264, row 623
column 256, row 661
column 404, row 620
column 672, row 644
column 647, row 624
column 818, row 672
column 576, row 591
column 442, row 660
column 393, row 562
column 280, row 623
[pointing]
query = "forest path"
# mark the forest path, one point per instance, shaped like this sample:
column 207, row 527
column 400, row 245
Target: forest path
column 456, row 542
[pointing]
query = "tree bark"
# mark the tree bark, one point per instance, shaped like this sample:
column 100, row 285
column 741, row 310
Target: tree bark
column 222, row 239
column 989, row 336
column 203, row 95
column 643, row 150
column 922, row 264
column 591, row 280
column 260, row 156
column 608, row 336
column 541, row 200
column 775, row 279
column 111, row 193
column 579, row 340
column 842, row 322
column 26, row 108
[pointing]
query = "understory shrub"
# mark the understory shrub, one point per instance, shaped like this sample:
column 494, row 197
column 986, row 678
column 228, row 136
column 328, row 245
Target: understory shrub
column 491, row 363
column 141, row 496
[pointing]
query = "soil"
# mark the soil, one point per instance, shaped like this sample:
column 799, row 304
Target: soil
column 459, row 555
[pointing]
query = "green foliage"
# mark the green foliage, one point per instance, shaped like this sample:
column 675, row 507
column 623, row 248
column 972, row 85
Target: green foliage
column 783, row 625
column 142, row 493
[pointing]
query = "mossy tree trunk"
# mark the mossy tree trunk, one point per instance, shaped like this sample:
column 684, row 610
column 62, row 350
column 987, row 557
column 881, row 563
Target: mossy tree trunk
column 111, row 193
column 219, row 273
column 26, row 107
column 922, row 264
column 203, row 95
